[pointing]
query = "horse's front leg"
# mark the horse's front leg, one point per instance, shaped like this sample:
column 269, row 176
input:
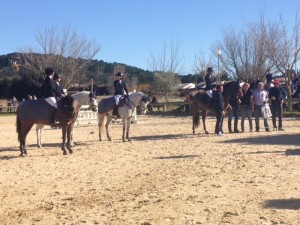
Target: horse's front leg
column 64, row 131
column 39, row 129
column 69, row 136
column 124, row 129
column 128, row 129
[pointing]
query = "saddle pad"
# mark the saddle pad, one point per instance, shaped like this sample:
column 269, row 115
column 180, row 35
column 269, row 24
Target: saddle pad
column 106, row 105
column 37, row 111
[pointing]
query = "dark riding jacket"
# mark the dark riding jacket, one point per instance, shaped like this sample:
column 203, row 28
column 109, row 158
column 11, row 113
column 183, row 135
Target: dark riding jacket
column 208, row 82
column 218, row 100
column 49, row 88
column 120, row 87
column 278, row 93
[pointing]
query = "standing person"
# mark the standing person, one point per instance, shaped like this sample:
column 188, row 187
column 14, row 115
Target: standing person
column 233, row 112
column 120, row 88
column 258, row 100
column 269, row 78
column 49, row 88
column 218, row 100
column 208, row 81
column 277, row 96
column 245, row 106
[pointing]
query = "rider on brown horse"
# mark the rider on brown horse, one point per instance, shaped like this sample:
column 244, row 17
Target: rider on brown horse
column 50, row 90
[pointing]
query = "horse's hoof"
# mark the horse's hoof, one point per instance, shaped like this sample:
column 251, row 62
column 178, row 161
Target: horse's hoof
column 22, row 155
column 206, row 132
column 110, row 139
column 129, row 139
column 70, row 151
column 65, row 153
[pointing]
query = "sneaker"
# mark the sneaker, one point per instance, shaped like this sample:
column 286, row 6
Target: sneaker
column 281, row 129
column 274, row 128
column 267, row 130
column 220, row 134
column 237, row 131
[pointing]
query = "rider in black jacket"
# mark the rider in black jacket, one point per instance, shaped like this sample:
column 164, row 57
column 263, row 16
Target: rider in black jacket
column 120, row 87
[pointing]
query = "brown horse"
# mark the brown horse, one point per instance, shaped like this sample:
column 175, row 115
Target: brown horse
column 38, row 111
column 202, row 102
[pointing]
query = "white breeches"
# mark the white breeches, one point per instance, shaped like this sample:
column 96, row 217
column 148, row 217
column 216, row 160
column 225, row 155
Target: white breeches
column 52, row 101
column 209, row 92
column 117, row 99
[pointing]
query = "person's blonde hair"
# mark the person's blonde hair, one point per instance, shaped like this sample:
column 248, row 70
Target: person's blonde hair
column 246, row 84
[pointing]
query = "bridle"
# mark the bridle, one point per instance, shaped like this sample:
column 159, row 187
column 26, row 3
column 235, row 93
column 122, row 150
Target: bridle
column 130, row 103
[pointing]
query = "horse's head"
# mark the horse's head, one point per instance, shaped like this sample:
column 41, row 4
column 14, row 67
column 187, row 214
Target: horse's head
column 139, row 99
column 144, row 102
column 232, row 88
column 93, row 102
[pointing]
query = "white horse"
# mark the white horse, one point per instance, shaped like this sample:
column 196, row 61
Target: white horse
column 84, row 98
column 125, row 113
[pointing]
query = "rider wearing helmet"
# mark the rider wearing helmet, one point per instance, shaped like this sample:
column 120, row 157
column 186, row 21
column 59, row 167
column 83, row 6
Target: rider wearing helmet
column 120, row 87
column 208, row 81
column 49, row 88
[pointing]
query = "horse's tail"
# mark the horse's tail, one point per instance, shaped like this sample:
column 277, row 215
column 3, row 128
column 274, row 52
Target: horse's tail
column 18, row 125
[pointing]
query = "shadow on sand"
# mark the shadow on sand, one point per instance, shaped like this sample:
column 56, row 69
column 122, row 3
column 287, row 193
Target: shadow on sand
column 176, row 157
column 278, row 139
column 293, row 203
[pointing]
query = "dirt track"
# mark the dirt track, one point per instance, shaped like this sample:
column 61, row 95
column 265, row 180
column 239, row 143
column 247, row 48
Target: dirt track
column 164, row 176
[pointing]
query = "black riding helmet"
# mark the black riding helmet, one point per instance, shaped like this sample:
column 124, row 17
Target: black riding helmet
column 210, row 70
column 56, row 76
column 119, row 74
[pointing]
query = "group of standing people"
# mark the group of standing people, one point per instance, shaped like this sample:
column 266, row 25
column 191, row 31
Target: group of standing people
column 254, row 101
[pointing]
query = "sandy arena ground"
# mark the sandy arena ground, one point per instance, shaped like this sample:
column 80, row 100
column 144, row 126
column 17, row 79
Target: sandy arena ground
column 164, row 176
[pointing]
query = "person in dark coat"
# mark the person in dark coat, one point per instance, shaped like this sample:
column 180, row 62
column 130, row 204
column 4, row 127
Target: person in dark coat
column 277, row 96
column 234, row 102
column 218, row 101
column 208, row 81
column 269, row 78
column 120, row 87
column 245, row 107
column 49, row 88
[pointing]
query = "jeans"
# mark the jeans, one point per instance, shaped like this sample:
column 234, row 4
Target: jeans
column 246, row 112
column 219, row 122
column 276, row 107
column 234, row 112
column 257, row 114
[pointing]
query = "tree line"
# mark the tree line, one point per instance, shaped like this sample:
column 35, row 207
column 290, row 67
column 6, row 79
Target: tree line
column 246, row 54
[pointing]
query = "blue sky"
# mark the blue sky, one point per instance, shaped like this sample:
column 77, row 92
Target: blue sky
column 129, row 30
